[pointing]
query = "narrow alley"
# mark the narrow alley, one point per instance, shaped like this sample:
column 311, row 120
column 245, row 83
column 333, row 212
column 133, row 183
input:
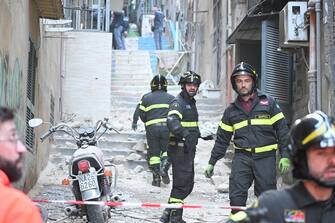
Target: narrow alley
column 240, row 74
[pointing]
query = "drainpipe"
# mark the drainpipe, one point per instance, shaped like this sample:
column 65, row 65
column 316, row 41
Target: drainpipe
column 318, row 51
column 312, row 79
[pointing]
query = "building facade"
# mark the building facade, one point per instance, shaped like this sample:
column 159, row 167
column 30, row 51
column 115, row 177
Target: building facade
column 221, row 33
column 30, row 73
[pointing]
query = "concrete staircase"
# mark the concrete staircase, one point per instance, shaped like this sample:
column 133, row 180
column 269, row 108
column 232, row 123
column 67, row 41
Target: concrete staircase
column 131, row 75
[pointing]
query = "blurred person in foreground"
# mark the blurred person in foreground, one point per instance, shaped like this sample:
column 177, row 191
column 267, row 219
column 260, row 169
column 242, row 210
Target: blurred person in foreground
column 15, row 206
column 312, row 198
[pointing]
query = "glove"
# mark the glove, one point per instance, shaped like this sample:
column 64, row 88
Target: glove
column 251, row 215
column 209, row 137
column 134, row 126
column 209, row 171
column 284, row 165
column 190, row 144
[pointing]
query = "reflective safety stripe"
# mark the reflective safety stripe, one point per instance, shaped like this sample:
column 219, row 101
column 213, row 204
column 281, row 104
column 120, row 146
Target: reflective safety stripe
column 142, row 108
column 146, row 109
column 189, row 124
column 164, row 154
column 225, row 127
column 239, row 216
column 175, row 112
column 259, row 149
column 270, row 121
column 258, row 121
column 277, row 117
column 240, row 124
column 317, row 132
column 154, row 160
column 175, row 200
column 154, row 121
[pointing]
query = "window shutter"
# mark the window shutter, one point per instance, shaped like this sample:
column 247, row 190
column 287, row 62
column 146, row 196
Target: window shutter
column 276, row 74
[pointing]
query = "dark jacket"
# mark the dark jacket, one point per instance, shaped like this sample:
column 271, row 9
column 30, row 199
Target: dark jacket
column 296, row 203
column 262, row 130
column 154, row 107
column 183, row 118
column 158, row 20
column 117, row 20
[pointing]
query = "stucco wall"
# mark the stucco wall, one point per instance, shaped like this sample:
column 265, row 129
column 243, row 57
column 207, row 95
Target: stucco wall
column 19, row 21
column 88, row 56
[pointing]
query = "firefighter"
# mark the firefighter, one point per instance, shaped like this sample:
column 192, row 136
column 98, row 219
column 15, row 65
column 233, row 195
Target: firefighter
column 182, row 122
column 153, row 109
column 312, row 197
column 259, row 129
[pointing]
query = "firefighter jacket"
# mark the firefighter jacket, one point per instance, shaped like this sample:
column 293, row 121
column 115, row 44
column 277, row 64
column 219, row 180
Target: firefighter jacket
column 295, row 204
column 261, row 131
column 183, row 118
column 154, row 107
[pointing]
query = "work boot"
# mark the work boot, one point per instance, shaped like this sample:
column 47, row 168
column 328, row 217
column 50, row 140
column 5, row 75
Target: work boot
column 176, row 216
column 156, row 178
column 164, row 170
column 165, row 218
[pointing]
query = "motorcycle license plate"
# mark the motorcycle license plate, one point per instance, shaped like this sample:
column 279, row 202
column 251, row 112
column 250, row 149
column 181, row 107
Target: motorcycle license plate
column 87, row 181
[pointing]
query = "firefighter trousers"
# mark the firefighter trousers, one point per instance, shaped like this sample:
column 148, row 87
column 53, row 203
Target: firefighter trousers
column 246, row 169
column 157, row 138
column 182, row 172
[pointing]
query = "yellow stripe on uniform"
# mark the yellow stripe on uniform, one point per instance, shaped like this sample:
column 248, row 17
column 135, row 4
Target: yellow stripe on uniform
column 240, row 125
column 189, row 124
column 154, row 160
column 239, row 216
column 317, row 132
column 142, row 108
column 156, row 106
column 175, row 112
column 164, row 154
column 225, row 127
column 265, row 121
column 175, row 200
column 260, row 121
column 277, row 117
column 154, row 121
column 260, row 149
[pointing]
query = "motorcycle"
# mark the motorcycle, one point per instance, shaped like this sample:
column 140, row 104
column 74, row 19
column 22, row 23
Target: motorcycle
column 91, row 179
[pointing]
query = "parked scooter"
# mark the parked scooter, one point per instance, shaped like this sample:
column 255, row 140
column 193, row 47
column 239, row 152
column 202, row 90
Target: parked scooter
column 90, row 179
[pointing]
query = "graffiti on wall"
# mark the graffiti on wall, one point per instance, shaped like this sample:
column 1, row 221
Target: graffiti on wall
column 11, row 87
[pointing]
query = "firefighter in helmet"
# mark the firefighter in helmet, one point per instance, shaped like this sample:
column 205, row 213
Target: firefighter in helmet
column 182, row 122
column 312, row 197
column 153, row 109
column 259, row 130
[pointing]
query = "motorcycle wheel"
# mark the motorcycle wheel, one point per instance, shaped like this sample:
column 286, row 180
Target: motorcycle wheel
column 95, row 213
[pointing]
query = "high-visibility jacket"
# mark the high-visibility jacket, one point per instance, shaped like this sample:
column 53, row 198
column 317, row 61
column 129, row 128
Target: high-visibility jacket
column 154, row 107
column 15, row 206
column 261, row 131
column 183, row 118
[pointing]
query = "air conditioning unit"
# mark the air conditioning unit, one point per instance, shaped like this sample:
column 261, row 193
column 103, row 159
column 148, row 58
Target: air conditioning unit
column 292, row 31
